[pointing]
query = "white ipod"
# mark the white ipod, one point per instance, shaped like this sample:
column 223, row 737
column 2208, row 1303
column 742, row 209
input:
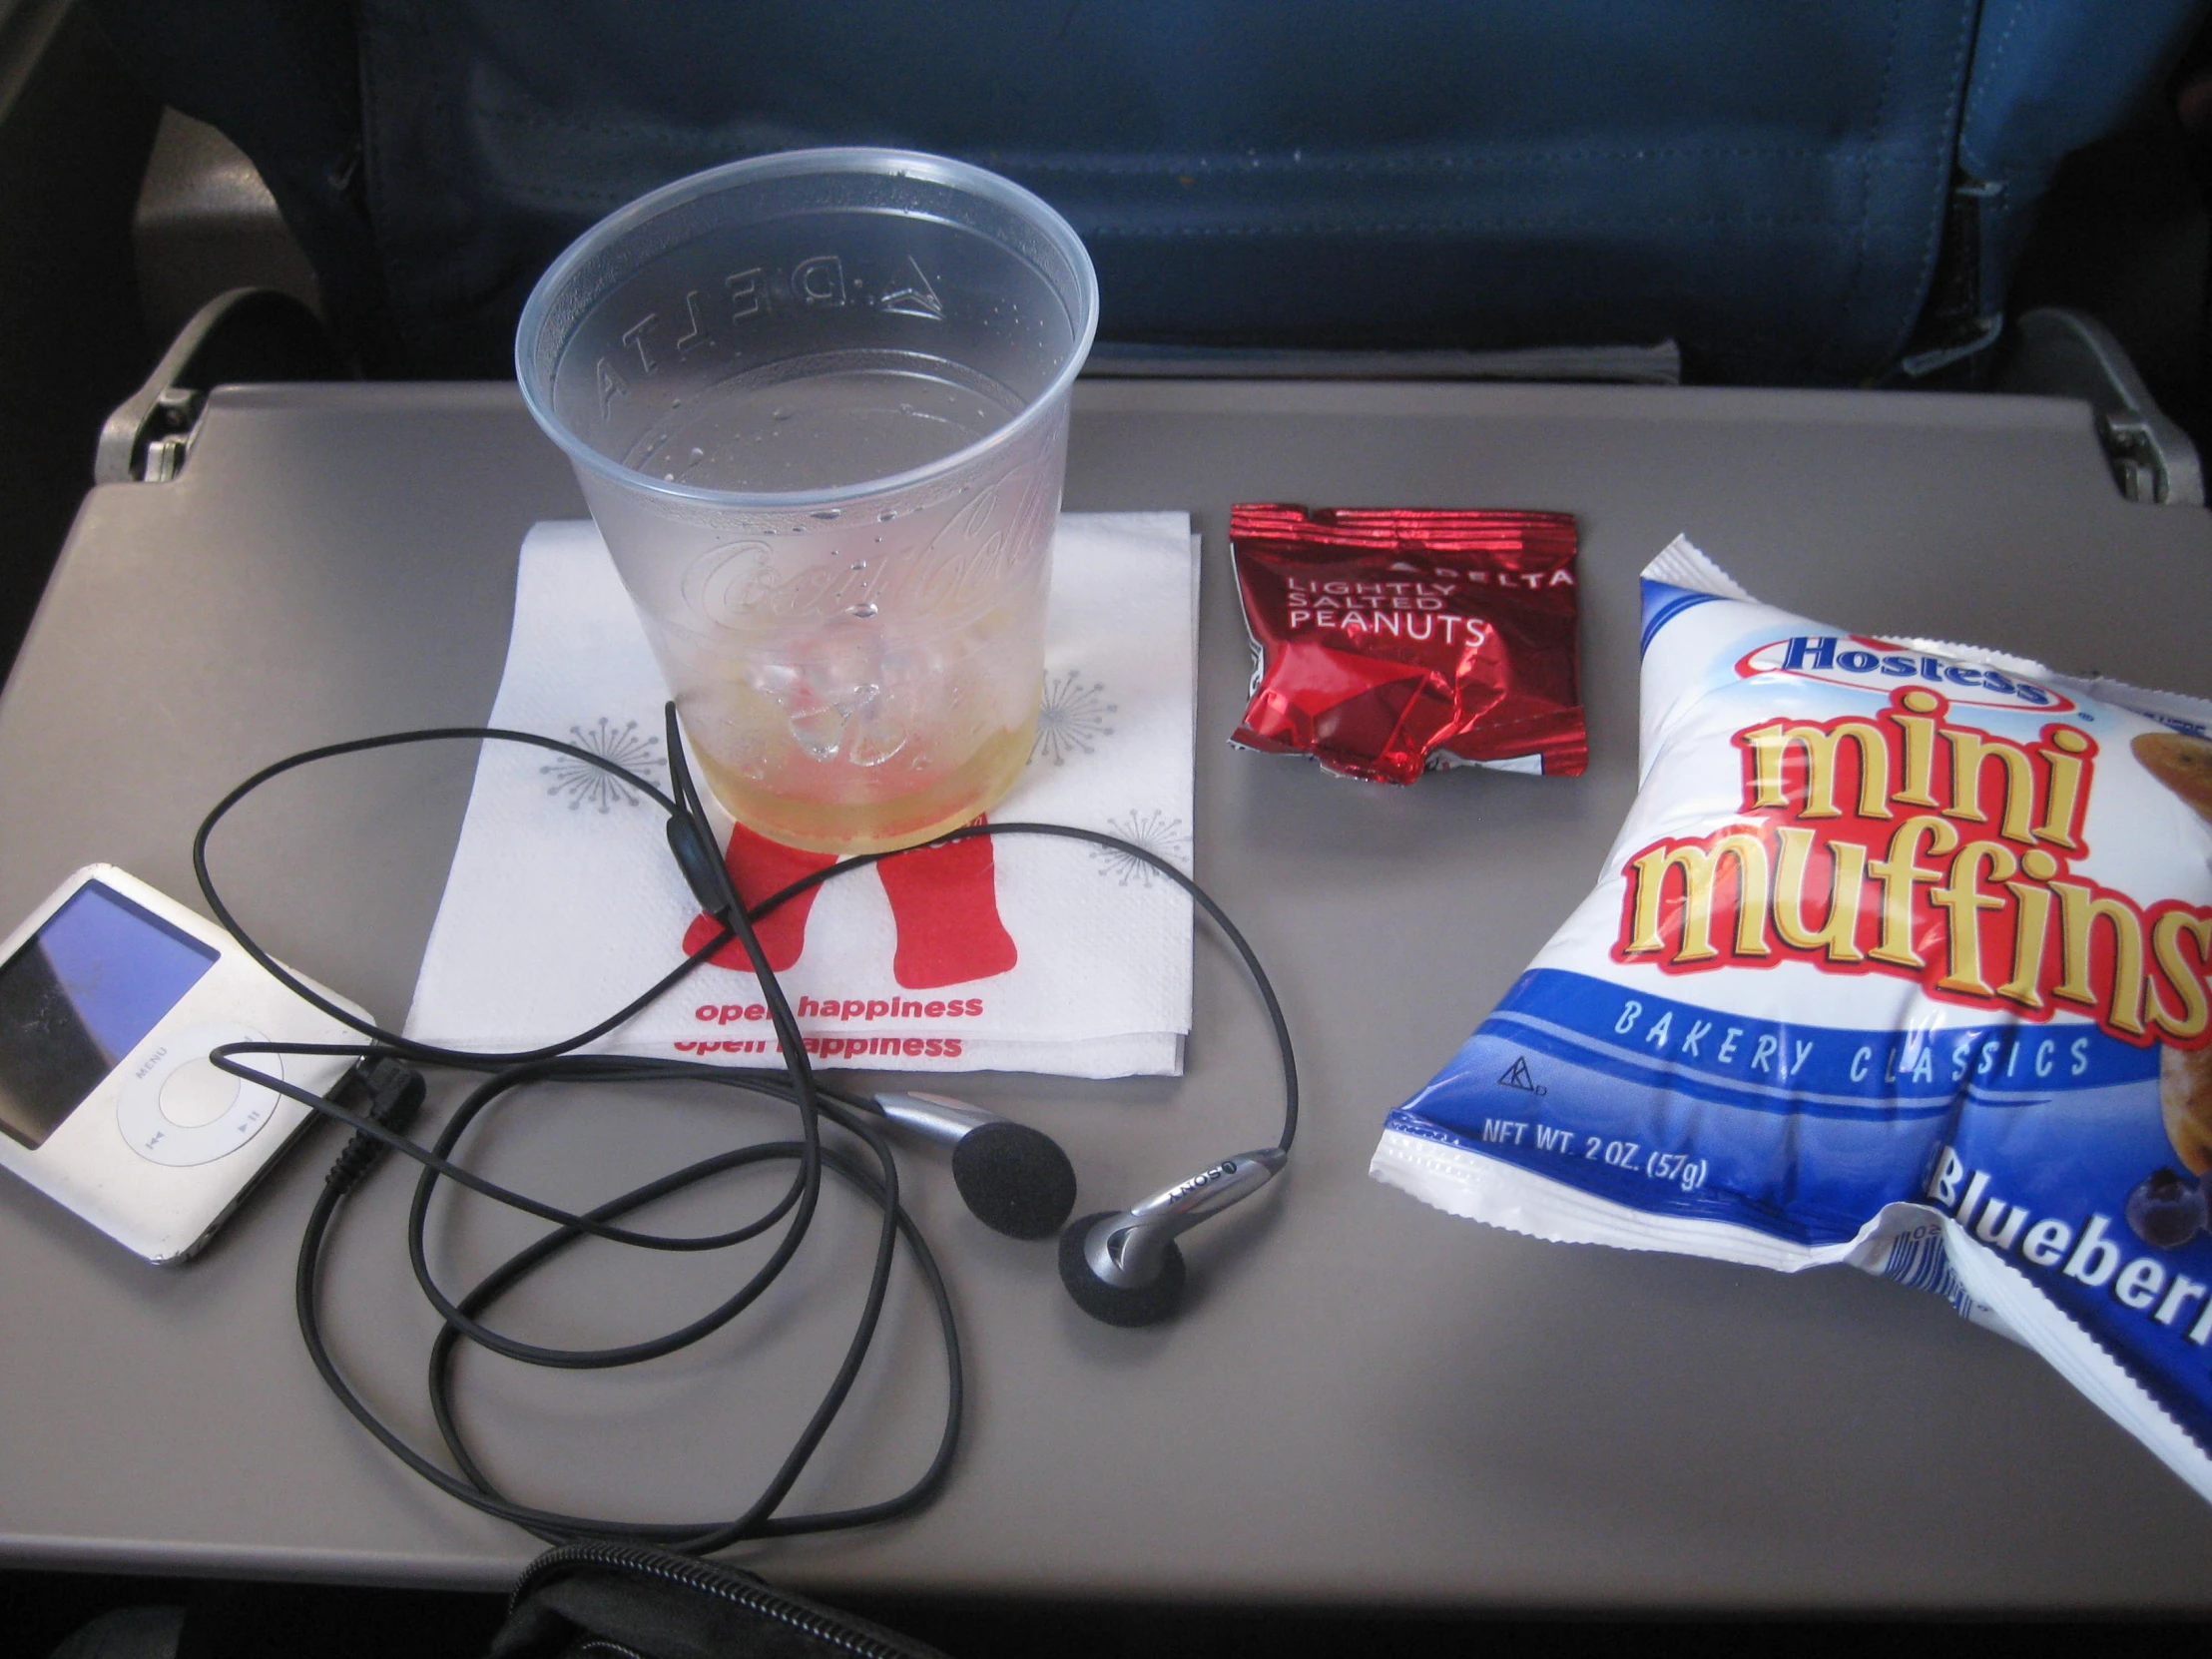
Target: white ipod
column 110, row 996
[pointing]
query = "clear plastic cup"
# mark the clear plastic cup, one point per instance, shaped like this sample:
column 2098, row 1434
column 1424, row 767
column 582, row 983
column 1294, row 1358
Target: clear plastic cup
column 817, row 402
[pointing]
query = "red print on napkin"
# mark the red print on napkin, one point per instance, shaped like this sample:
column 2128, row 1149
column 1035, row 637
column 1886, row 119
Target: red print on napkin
column 944, row 903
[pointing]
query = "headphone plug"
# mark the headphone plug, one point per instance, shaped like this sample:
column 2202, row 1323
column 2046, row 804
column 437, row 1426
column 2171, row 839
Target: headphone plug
column 384, row 1090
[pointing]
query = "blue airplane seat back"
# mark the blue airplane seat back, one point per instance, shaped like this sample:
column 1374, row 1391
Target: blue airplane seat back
column 1780, row 186
column 2048, row 79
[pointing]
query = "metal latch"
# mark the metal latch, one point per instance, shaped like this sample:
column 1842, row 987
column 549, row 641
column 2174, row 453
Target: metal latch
column 168, row 432
column 2065, row 353
column 245, row 334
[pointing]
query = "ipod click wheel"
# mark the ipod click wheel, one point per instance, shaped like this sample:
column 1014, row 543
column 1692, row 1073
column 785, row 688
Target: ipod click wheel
column 110, row 996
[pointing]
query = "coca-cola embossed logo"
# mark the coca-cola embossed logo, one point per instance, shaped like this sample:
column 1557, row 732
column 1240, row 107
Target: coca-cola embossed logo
column 970, row 560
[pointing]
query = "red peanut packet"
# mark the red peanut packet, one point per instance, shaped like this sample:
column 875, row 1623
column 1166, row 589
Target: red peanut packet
column 1388, row 642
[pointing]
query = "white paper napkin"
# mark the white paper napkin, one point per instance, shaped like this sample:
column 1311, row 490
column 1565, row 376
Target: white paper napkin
column 562, row 902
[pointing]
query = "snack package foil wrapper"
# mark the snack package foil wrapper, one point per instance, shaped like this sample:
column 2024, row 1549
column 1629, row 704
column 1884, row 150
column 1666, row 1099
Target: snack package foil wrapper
column 1899, row 961
column 1388, row 642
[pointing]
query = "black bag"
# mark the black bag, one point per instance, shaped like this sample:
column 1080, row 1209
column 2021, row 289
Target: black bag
column 625, row 1601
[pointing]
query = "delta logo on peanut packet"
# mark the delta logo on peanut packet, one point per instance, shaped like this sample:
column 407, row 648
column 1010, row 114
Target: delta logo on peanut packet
column 1903, row 959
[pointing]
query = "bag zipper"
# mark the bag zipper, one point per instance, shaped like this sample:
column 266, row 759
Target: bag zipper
column 753, row 1596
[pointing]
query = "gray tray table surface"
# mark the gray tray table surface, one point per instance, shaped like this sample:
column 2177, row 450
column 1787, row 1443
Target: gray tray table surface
column 1366, row 1400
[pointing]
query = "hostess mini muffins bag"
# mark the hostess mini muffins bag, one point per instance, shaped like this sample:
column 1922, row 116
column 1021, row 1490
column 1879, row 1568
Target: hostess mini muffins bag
column 1899, row 961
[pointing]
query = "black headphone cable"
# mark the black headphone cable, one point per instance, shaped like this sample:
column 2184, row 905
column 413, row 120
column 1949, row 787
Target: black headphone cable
column 875, row 1176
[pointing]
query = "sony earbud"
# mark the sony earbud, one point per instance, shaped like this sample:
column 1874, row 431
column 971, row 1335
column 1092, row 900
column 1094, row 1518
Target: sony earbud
column 1121, row 1265
column 1014, row 1179
column 1124, row 1267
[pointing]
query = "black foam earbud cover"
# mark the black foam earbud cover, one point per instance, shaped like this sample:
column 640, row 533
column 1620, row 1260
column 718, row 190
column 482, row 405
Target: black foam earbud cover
column 1145, row 1304
column 703, row 871
column 1015, row 1179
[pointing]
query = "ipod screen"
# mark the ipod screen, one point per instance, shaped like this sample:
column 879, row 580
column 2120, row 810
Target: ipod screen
column 80, row 997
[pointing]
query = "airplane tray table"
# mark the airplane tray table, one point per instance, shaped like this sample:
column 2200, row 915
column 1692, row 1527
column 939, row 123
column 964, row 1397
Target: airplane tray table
column 1366, row 1401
